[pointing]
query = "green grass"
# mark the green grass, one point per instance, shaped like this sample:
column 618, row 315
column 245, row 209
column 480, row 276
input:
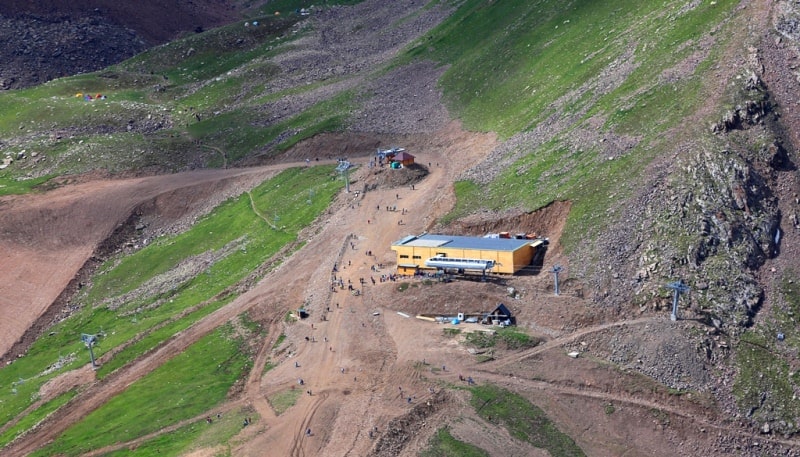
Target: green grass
column 10, row 185
column 142, row 321
column 151, row 338
column 240, row 133
column 552, row 59
column 203, row 56
column 269, row 365
column 285, row 399
column 508, row 338
column 280, row 340
column 136, row 326
column 55, row 103
column 524, row 421
column 551, row 55
column 27, row 422
column 443, row 444
column 253, row 327
column 609, row 408
column 284, row 197
column 197, row 435
column 20, row 381
column 218, row 77
column 766, row 381
column 540, row 47
column 187, row 386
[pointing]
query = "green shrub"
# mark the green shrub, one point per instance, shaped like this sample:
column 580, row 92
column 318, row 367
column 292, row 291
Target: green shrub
column 443, row 444
column 283, row 400
column 507, row 338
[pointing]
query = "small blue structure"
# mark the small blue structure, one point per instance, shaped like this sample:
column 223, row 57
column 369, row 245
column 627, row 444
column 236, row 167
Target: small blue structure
column 679, row 287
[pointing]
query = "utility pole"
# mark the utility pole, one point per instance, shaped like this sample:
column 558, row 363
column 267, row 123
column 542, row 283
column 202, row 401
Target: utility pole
column 679, row 287
column 343, row 168
column 89, row 341
column 556, row 270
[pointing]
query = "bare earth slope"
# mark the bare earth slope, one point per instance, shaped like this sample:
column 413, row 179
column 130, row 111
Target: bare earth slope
column 48, row 237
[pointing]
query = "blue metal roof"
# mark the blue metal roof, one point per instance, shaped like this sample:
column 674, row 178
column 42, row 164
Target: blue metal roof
column 463, row 242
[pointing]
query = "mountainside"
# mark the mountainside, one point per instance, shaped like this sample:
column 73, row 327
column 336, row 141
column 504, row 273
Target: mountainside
column 182, row 204
column 47, row 39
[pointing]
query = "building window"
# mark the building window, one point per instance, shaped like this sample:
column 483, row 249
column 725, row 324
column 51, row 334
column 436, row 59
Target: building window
column 403, row 256
column 417, row 257
column 441, row 254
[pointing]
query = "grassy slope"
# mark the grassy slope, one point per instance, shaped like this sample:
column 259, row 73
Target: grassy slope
column 196, row 435
column 553, row 58
column 172, row 107
column 184, row 387
column 766, row 382
column 523, row 420
column 567, row 63
column 443, row 444
column 136, row 323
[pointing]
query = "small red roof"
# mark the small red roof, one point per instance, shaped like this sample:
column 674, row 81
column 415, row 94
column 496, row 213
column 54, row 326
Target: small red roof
column 401, row 156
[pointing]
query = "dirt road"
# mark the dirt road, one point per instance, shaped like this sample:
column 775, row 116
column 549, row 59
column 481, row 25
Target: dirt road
column 353, row 358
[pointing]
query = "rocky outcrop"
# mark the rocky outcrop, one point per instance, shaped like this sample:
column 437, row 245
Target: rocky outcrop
column 724, row 216
column 47, row 39
column 37, row 49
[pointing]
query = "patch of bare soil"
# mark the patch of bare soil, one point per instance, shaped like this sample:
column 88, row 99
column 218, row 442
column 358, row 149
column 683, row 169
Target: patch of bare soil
column 66, row 382
column 385, row 177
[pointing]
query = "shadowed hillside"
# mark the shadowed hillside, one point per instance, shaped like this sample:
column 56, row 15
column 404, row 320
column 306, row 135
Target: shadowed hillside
column 44, row 39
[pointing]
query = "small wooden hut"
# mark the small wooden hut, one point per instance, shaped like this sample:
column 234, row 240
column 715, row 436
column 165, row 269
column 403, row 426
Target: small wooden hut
column 403, row 158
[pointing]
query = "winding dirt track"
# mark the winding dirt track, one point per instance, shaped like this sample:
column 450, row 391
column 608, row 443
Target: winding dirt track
column 303, row 276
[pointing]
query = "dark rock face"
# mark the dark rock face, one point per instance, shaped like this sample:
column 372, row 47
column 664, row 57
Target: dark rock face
column 39, row 49
column 48, row 39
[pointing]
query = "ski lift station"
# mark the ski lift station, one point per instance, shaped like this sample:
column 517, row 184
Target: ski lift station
column 490, row 254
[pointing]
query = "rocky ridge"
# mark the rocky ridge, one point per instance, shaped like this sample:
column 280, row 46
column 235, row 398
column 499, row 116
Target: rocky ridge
column 48, row 39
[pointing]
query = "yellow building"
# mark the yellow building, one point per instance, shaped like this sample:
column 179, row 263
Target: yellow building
column 495, row 255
